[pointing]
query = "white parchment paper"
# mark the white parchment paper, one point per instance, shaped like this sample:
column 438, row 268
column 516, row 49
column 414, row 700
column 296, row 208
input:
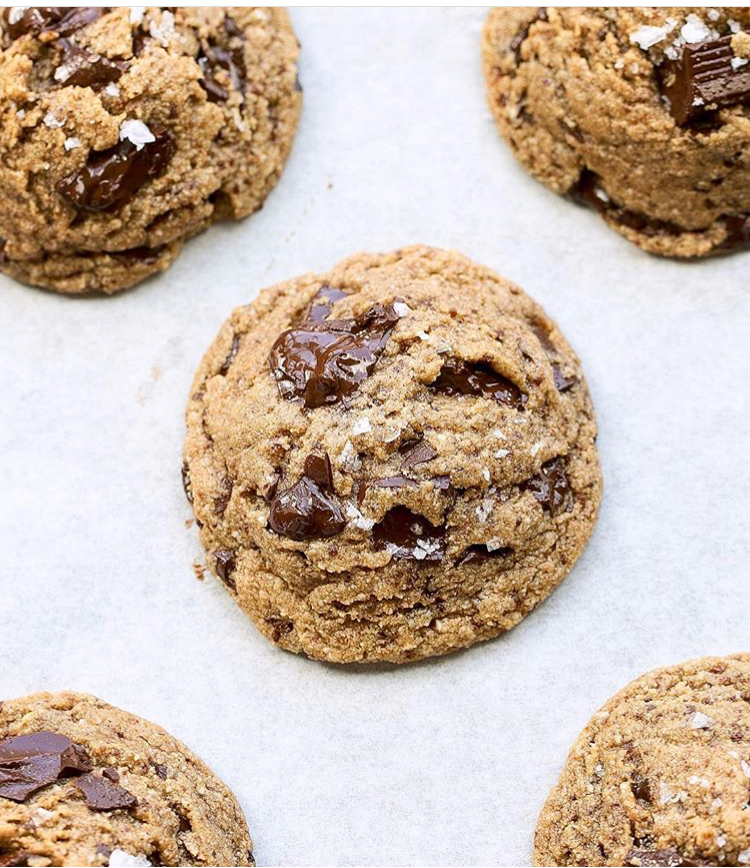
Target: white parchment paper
column 446, row 762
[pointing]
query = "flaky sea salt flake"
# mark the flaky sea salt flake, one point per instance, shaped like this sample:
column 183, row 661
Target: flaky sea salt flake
column 137, row 133
column 695, row 30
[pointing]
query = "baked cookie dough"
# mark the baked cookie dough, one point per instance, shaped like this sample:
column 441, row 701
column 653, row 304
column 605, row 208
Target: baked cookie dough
column 660, row 776
column 126, row 130
column 83, row 783
column 392, row 460
column 643, row 114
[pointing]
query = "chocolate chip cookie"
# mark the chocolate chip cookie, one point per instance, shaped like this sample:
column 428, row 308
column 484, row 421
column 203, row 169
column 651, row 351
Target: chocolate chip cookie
column 660, row 776
column 83, row 783
column 392, row 460
column 126, row 130
column 642, row 114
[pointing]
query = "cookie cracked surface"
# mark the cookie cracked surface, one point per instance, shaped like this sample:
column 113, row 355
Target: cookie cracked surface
column 392, row 460
column 642, row 114
column 660, row 775
column 124, row 132
column 84, row 783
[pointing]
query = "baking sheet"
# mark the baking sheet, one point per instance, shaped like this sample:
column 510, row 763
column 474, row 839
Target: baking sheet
column 446, row 762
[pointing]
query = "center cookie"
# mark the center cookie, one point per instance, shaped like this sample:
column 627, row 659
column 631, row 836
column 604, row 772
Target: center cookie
column 392, row 460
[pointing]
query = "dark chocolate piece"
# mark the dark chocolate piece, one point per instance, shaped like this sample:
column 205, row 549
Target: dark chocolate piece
column 474, row 378
column 415, row 452
column 393, row 482
column 703, row 79
column 551, row 487
column 49, row 19
column 523, row 33
column 103, row 794
column 82, row 68
column 111, row 178
column 231, row 356
column 214, row 58
column 479, row 553
column 562, row 383
column 409, row 536
column 309, row 508
column 322, row 363
column 641, row 789
column 226, row 564
column 30, row 762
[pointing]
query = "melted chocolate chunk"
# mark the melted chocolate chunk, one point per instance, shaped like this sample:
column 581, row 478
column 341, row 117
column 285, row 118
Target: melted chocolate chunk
column 49, row 19
column 704, row 79
column 104, row 795
column 551, row 487
column 309, row 508
column 660, row 858
column 415, row 452
column 82, row 68
column 522, row 35
column 480, row 553
column 111, row 178
column 393, row 482
column 30, row 762
column 408, row 536
column 323, row 301
column 226, row 564
column 232, row 355
column 322, row 363
column 474, row 378
column 186, row 482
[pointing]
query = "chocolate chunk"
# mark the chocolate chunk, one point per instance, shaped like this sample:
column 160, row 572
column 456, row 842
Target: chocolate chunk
column 281, row 627
column 30, row 762
column 704, row 79
column 562, row 383
column 661, row 858
column 104, row 795
column 82, row 68
column 551, row 487
column 48, row 19
column 186, row 482
column 323, row 301
column 221, row 501
column 641, row 789
column 408, row 536
column 298, row 84
column 225, row 566
column 214, row 58
column 393, row 482
column 3, row 254
column 474, row 378
column 318, row 469
column 161, row 771
column 544, row 339
column 231, row 356
column 480, row 553
column 415, row 452
column 308, row 509
column 111, row 178
column 111, row 774
column 322, row 363
column 523, row 33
